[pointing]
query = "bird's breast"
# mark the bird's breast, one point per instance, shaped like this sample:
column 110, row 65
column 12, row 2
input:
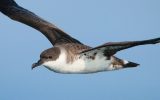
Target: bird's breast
column 82, row 64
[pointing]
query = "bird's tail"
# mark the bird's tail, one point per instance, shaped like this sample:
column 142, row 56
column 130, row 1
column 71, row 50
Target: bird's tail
column 120, row 63
column 129, row 64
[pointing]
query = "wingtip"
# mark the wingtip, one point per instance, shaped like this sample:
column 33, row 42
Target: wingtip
column 156, row 40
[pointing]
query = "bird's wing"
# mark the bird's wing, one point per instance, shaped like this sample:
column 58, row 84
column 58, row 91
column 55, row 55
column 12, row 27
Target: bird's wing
column 55, row 35
column 111, row 48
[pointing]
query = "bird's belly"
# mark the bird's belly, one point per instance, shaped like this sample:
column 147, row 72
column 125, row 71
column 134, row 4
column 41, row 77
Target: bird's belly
column 81, row 66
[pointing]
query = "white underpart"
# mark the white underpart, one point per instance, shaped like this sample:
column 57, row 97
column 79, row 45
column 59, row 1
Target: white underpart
column 82, row 65
column 125, row 61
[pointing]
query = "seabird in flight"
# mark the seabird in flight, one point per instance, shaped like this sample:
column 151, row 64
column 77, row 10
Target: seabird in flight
column 69, row 55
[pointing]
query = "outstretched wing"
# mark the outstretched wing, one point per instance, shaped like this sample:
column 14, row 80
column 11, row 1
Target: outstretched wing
column 111, row 48
column 55, row 35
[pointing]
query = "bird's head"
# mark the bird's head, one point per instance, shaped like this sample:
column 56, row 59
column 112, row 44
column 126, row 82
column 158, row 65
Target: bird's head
column 47, row 55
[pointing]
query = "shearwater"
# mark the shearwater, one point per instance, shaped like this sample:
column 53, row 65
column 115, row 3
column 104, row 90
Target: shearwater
column 69, row 55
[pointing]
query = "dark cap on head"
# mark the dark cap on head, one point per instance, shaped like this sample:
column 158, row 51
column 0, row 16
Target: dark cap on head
column 47, row 55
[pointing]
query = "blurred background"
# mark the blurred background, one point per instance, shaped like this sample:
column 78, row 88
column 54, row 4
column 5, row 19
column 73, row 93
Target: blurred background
column 93, row 22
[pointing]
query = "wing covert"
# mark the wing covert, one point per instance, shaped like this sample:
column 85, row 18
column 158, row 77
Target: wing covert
column 112, row 47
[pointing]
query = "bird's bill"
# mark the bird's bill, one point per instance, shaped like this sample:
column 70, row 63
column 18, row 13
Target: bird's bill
column 39, row 63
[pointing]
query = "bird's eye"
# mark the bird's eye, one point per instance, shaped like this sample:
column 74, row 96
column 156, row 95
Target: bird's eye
column 50, row 57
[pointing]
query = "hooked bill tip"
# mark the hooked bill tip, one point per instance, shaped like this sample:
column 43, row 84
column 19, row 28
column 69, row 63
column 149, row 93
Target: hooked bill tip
column 34, row 65
column 40, row 62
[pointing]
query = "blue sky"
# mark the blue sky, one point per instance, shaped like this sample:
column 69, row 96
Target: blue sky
column 93, row 22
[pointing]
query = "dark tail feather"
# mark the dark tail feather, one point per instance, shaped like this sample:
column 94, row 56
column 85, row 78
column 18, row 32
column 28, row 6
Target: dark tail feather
column 130, row 64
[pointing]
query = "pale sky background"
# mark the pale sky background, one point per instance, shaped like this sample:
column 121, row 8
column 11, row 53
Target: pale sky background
column 93, row 22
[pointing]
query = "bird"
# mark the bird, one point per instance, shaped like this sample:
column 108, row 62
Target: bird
column 68, row 55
